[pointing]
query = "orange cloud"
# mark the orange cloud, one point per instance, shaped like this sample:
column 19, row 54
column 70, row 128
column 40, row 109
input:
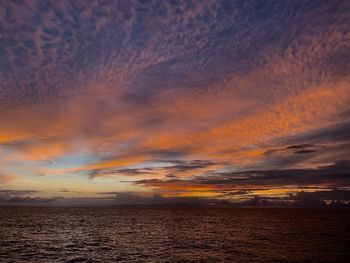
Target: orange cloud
column 241, row 140
column 6, row 177
column 118, row 162
column 308, row 111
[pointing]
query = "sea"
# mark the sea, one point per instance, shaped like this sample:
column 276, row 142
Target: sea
column 173, row 234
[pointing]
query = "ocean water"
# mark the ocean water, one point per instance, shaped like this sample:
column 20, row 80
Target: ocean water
column 176, row 234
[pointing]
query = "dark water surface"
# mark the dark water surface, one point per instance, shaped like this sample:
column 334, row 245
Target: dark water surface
column 151, row 234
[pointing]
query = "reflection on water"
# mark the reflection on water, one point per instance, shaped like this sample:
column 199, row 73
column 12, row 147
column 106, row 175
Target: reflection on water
column 151, row 234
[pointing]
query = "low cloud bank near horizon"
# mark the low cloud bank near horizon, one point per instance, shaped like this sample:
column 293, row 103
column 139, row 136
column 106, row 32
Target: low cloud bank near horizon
column 335, row 198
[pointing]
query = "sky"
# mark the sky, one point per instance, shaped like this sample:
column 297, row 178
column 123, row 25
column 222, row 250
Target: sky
column 176, row 100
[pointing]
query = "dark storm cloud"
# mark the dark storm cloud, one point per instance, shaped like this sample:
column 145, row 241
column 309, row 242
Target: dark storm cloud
column 335, row 194
column 317, row 139
column 22, row 197
column 321, row 145
column 337, row 174
column 29, row 200
column 335, row 133
column 171, row 168
column 183, row 166
column 116, row 172
column 6, row 192
column 297, row 148
column 330, row 176
column 333, row 198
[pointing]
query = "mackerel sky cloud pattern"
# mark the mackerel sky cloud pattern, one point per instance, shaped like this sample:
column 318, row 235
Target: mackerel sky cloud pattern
column 179, row 98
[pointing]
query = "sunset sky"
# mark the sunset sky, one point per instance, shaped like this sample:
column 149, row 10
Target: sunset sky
column 183, row 99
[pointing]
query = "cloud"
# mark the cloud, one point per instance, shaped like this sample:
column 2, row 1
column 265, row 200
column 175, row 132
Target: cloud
column 128, row 198
column 9, row 197
column 330, row 176
column 29, row 200
column 167, row 94
column 7, row 192
column 297, row 149
column 6, row 178
column 22, row 197
column 334, row 194
column 168, row 168
column 333, row 198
